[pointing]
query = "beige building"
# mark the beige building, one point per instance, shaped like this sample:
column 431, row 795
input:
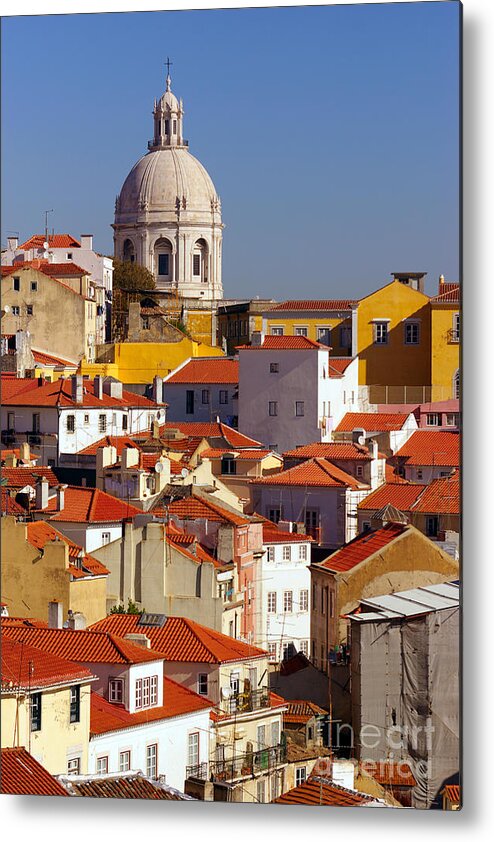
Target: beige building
column 59, row 309
column 45, row 707
column 40, row 565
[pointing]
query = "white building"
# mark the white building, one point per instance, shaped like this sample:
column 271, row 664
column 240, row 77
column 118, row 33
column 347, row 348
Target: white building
column 63, row 248
column 391, row 430
column 62, row 418
column 168, row 214
column 284, row 593
column 203, row 389
column 291, row 392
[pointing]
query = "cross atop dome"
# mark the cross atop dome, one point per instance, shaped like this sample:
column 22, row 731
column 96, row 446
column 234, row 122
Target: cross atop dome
column 168, row 64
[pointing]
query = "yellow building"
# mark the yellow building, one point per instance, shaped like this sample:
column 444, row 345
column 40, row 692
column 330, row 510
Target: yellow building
column 139, row 362
column 45, row 707
column 328, row 322
column 40, row 565
column 445, row 350
column 393, row 344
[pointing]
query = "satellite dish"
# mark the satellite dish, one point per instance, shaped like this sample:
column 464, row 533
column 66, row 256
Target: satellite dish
column 361, row 439
column 46, row 245
column 184, row 472
column 159, row 467
column 226, row 692
column 6, row 309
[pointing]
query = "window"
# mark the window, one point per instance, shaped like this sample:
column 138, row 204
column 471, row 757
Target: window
column 324, row 335
column 412, row 333
column 115, row 690
column 300, row 775
column 36, row 422
column 17, row 284
column 228, row 465
column 102, row 424
column 302, row 552
column 304, row 600
column 287, row 553
column 125, row 422
column 272, row 602
column 36, row 712
column 145, row 322
column 235, row 682
column 366, row 525
column 451, row 419
column 274, row 515
column 432, row 526
column 261, row 737
column 380, row 333
column 189, row 402
column 223, row 396
column 70, row 423
column 288, row 602
column 419, row 473
column 11, row 421
column 261, row 791
column 86, row 419
column 34, row 286
column 29, row 309
column 196, row 263
column 299, row 408
column 163, row 264
column 69, row 255
column 345, row 336
column 152, row 761
column 270, row 551
column 124, row 761
column 102, row 766
column 301, row 331
column 275, row 733
column 304, row 647
column 16, row 311
column 456, row 385
column 274, row 368
column 433, row 419
column 74, row 766
column 146, row 692
column 288, row 650
column 456, row 328
column 75, row 704
column 272, row 650
column 277, row 331
column 273, row 408
column 202, row 683
column 106, row 537
column 205, row 395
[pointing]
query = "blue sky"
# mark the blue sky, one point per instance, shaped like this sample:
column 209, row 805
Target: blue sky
column 331, row 133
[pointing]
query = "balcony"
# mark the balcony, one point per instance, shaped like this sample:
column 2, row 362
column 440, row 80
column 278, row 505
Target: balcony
column 249, row 764
column 248, row 701
column 200, row 770
column 314, row 532
column 453, row 336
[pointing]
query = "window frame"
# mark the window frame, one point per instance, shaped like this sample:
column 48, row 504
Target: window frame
column 202, row 684
column 103, row 758
column 410, row 327
column 102, row 423
column 272, row 602
column 273, row 409
column 152, row 760
column 70, row 423
column 223, row 396
column 300, row 775
column 77, row 769
column 274, row 368
column 287, row 602
column 116, row 698
column 301, row 330
column 122, row 766
column 205, row 395
column 35, row 715
column 381, row 332
column 304, row 599
column 299, row 409
column 287, row 552
column 75, row 704
column 193, row 748
column 277, row 330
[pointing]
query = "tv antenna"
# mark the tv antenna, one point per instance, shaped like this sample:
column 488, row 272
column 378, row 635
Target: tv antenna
column 46, row 224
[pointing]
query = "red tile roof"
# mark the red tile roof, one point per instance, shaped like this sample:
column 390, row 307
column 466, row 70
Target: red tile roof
column 332, row 305
column 372, row 421
column 26, row 667
column 82, row 565
column 178, row 700
column 215, row 370
column 285, row 343
column 11, row 386
column 5, row 452
column 388, row 773
column 119, row 442
column 56, row 241
column 400, row 495
column 452, row 793
column 272, row 535
column 441, row 496
column 339, row 450
column 300, row 711
column 9, row 504
column 431, row 447
column 90, row 505
column 21, row 774
column 193, row 508
column 40, row 358
column 322, row 792
column 59, row 393
column 339, row 365
column 83, row 646
column 448, row 296
column 315, row 472
column 24, row 475
column 211, row 430
column 392, row 477
column 362, row 547
column 122, row 785
column 180, row 639
column 218, row 452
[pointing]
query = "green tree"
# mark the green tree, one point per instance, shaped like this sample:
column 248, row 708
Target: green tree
column 132, row 608
column 131, row 276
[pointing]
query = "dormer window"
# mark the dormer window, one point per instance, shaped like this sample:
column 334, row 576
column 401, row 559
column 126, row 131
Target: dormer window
column 146, row 692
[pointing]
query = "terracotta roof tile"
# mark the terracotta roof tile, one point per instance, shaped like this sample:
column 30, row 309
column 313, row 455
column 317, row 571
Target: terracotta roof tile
column 40, row 358
column 315, row 472
column 26, row 667
column 431, row 447
column 372, row 421
column 212, row 430
column 57, row 241
column 90, row 505
column 178, row 700
column 119, row 442
column 11, row 386
column 40, row 532
column 21, row 774
column 332, row 305
column 300, row 711
column 339, row 365
column 215, row 370
column 180, row 639
column 197, row 507
column 362, row 547
column 24, row 475
column 400, row 495
column 86, row 646
column 339, row 450
column 10, row 506
column 59, row 393
column 285, row 343
column 449, row 296
column 441, row 496
column 122, row 785
column 322, row 792
column 388, row 773
column 453, row 793
column 218, row 452
column 272, row 535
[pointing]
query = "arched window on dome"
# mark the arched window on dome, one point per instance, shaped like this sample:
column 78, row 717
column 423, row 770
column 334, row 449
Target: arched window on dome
column 129, row 254
column 163, row 260
column 200, row 261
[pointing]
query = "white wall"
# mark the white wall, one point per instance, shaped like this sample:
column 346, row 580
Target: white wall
column 175, row 396
column 330, row 503
column 88, row 535
column 279, row 576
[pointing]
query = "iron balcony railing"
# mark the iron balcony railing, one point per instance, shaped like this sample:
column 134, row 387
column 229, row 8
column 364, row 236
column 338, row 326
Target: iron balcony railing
column 251, row 763
column 200, row 770
column 249, row 700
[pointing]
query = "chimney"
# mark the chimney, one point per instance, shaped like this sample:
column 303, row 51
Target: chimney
column 61, row 497
column 24, row 452
column 139, row 639
column 105, row 456
column 41, row 493
column 76, row 621
column 441, row 280
column 157, row 394
column 373, row 448
column 12, row 243
column 55, row 615
column 130, row 457
column 98, row 386
column 112, row 387
column 87, row 241
column 77, row 388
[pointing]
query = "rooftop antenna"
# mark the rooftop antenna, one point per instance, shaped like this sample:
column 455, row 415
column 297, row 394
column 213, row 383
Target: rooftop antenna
column 46, row 225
